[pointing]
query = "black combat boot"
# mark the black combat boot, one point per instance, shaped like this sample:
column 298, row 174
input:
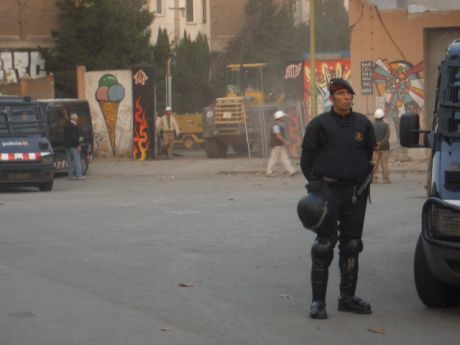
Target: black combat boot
column 354, row 305
column 349, row 277
column 318, row 310
column 322, row 253
column 319, row 277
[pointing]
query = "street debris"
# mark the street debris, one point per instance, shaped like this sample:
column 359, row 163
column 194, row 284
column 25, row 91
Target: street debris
column 188, row 285
column 286, row 296
column 376, row 330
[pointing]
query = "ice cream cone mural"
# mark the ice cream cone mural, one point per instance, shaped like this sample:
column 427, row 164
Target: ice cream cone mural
column 109, row 94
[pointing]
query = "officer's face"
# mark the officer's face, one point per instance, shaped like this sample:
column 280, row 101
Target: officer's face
column 343, row 101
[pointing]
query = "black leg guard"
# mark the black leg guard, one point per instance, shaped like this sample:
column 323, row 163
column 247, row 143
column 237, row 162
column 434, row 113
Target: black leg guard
column 348, row 263
column 348, row 275
column 322, row 253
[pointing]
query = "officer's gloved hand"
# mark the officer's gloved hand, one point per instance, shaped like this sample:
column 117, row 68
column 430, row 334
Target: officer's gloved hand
column 320, row 188
column 314, row 186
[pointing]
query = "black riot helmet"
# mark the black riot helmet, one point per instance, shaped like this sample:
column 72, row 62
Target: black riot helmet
column 312, row 210
column 337, row 84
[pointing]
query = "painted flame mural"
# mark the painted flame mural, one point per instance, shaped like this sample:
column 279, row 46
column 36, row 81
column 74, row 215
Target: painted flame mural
column 143, row 113
column 141, row 143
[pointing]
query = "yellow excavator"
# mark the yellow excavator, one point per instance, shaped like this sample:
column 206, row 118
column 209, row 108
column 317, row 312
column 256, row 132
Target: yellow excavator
column 238, row 118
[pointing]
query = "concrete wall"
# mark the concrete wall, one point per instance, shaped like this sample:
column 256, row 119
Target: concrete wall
column 387, row 55
column 417, row 5
column 112, row 117
column 35, row 88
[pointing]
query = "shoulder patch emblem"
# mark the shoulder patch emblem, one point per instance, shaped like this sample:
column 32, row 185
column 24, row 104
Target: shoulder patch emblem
column 359, row 136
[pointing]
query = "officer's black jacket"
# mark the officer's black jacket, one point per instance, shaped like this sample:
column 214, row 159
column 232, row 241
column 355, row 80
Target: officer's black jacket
column 71, row 135
column 337, row 147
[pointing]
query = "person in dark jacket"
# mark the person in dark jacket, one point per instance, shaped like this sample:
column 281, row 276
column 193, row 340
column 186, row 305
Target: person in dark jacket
column 337, row 155
column 382, row 149
column 72, row 148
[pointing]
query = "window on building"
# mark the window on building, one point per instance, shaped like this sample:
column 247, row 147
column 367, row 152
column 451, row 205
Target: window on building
column 159, row 7
column 189, row 11
column 205, row 17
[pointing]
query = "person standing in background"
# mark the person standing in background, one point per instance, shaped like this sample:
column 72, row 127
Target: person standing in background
column 170, row 129
column 72, row 148
column 382, row 150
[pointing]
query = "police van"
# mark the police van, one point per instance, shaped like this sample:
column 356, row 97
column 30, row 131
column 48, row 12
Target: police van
column 26, row 155
column 437, row 254
column 57, row 113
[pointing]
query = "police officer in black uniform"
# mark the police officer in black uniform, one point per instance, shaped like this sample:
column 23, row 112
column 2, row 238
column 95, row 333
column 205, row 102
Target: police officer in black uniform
column 336, row 156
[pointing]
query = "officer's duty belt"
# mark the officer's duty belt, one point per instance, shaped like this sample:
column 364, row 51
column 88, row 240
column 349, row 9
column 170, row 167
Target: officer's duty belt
column 330, row 181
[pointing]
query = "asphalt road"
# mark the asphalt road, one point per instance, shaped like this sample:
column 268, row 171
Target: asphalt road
column 180, row 255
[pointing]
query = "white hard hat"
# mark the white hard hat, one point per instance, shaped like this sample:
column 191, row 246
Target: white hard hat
column 279, row 114
column 379, row 114
column 168, row 109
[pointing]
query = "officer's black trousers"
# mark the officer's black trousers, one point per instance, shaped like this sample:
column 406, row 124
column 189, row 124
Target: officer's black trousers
column 344, row 222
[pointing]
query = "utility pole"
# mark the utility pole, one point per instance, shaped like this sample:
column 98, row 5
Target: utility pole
column 176, row 23
column 168, row 76
column 168, row 83
column 313, row 93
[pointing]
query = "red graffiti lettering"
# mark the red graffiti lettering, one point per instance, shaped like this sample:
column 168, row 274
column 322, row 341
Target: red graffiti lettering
column 293, row 71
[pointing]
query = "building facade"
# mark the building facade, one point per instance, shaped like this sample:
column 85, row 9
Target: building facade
column 25, row 25
column 179, row 16
column 395, row 52
column 219, row 20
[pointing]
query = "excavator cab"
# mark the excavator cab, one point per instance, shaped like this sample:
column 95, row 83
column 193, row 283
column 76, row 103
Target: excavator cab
column 247, row 81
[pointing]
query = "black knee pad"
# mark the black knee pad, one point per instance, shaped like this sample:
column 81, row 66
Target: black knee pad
column 322, row 250
column 352, row 247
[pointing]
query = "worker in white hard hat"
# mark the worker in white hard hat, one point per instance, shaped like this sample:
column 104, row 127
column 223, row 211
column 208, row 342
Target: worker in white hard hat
column 382, row 149
column 279, row 152
column 170, row 129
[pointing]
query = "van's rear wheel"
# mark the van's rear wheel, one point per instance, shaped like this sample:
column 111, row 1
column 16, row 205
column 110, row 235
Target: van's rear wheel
column 46, row 187
column 432, row 292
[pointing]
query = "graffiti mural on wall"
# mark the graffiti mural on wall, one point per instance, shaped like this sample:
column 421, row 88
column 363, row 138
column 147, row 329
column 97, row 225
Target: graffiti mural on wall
column 144, row 109
column 325, row 71
column 401, row 86
column 18, row 64
column 141, row 136
column 109, row 94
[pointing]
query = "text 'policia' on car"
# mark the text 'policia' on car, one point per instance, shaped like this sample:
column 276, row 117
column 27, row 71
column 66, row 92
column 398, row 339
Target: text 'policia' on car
column 26, row 155
column 437, row 255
